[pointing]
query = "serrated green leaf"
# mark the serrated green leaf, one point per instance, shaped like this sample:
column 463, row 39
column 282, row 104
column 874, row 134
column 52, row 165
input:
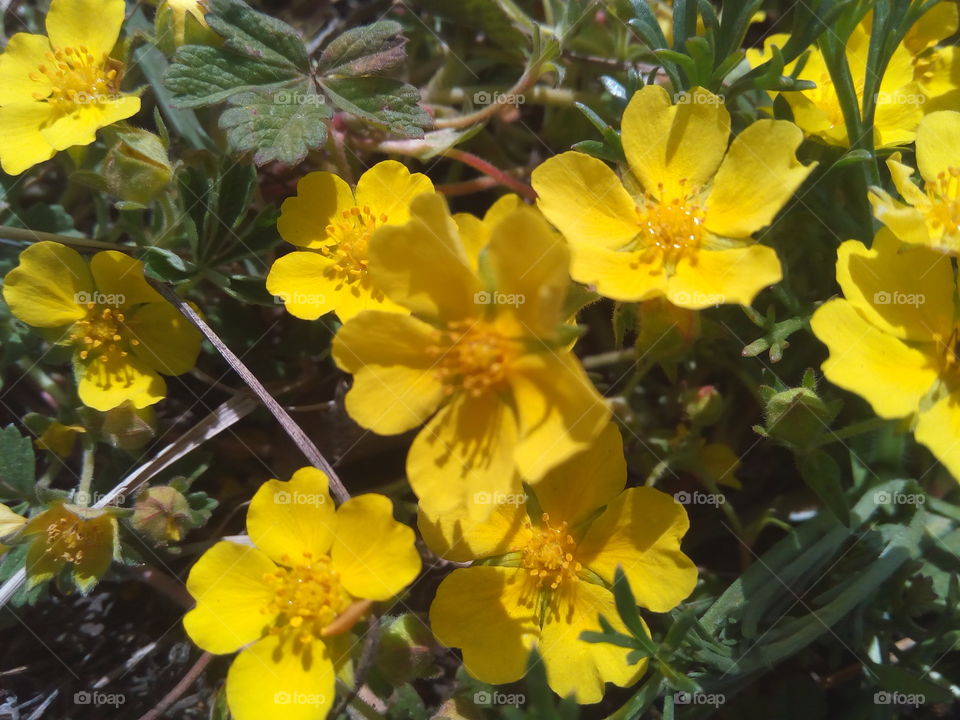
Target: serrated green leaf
column 274, row 131
column 202, row 75
column 17, row 464
column 367, row 50
column 258, row 35
column 391, row 104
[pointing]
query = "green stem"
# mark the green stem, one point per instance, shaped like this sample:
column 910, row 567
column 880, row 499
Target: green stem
column 86, row 470
column 33, row 236
column 859, row 428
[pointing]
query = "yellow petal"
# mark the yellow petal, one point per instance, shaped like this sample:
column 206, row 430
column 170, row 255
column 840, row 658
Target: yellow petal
column 575, row 667
column 560, row 412
column 116, row 273
column 907, row 293
column 43, row 289
column 321, row 199
column 938, row 428
column 58, row 438
column 899, row 111
column 168, row 342
column 565, row 493
column 94, row 24
column 585, row 200
column 938, row 23
column 227, row 583
column 640, row 531
column 624, row 276
column 292, row 520
column 10, row 522
column 387, row 189
column 22, row 57
column 423, row 265
column 474, row 236
column 757, row 177
column 938, row 148
column 394, row 385
column 80, row 125
column 105, row 385
column 374, row 554
column 680, row 146
column 454, row 535
column 816, row 120
column 757, row 57
column 875, row 365
column 487, row 612
column 732, row 276
column 503, row 206
column 904, row 221
column 464, row 456
column 22, row 145
column 530, row 263
column 274, row 681
column 305, row 283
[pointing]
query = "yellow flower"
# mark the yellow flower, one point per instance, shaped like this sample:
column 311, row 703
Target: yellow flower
column 122, row 331
column 892, row 338
column 683, row 229
column 10, row 525
column 179, row 10
column 936, row 69
column 59, row 438
column 900, row 100
column 57, row 92
column 484, row 356
column 64, row 535
column 539, row 581
column 333, row 225
column 930, row 216
column 309, row 575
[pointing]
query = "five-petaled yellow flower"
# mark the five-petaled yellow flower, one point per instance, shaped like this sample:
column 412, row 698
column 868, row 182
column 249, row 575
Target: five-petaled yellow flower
column 70, row 536
column 893, row 338
column 57, row 92
column 333, row 224
column 931, row 215
column 900, row 99
column 683, row 230
column 538, row 580
column 484, row 355
column 124, row 334
column 936, row 69
column 289, row 599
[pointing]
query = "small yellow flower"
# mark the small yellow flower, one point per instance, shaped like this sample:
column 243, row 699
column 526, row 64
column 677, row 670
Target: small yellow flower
column 333, row 224
column 931, row 215
column 893, row 338
column 685, row 232
column 539, row 581
column 59, row 438
column 57, row 92
column 179, row 10
column 65, row 535
column 900, row 100
column 124, row 334
column 10, row 525
column 936, row 69
column 309, row 575
column 484, row 355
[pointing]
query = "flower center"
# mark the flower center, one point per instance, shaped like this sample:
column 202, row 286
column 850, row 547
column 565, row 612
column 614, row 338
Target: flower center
column 102, row 333
column 944, row 194
column 548, row 554
column 65, row 539
column 349, row 237
column 308, row 596
column 671, row 227
column 471, row 355
column 78, row 78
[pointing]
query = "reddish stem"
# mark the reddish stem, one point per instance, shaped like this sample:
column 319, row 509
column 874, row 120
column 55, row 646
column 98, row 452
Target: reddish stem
column 492, row 171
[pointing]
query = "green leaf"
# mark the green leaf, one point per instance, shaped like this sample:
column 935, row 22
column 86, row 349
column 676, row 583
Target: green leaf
column 202, row 75
column 489, row 17
column 17, row 464
column 823, row 476
column 390, row 104
column 275, row 130
column 367, row 50
column 166, row 266
column 257, row 35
